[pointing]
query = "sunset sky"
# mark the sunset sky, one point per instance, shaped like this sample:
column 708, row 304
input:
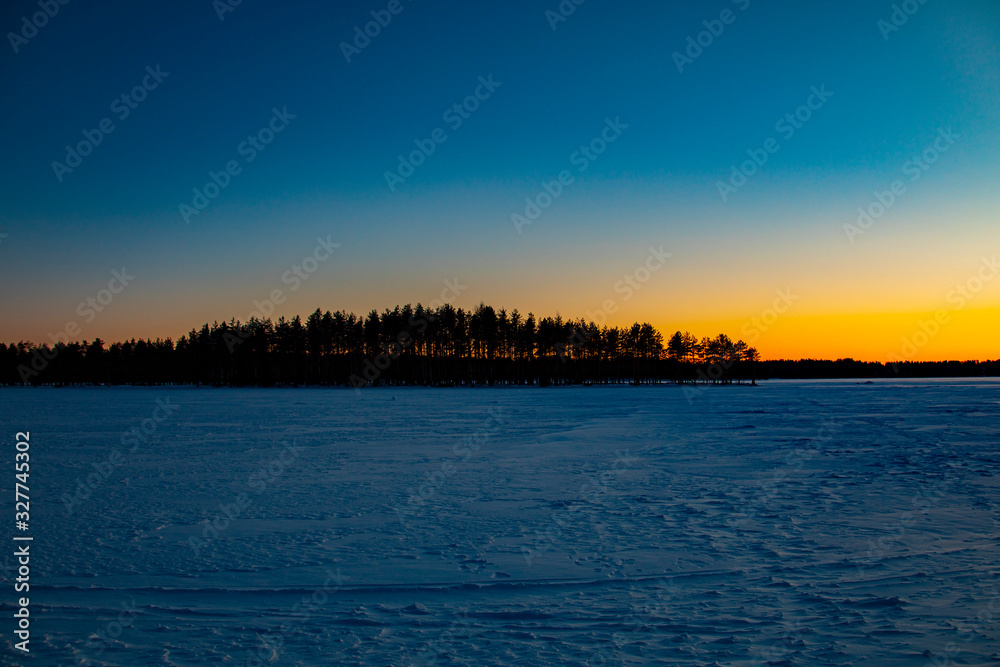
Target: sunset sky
column 916, row 106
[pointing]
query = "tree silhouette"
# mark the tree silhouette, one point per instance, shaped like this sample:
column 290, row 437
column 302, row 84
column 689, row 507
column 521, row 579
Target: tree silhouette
column 417, row 345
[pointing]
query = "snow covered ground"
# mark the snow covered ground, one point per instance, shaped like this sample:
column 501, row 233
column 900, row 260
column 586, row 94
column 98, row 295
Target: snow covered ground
column 792, row 523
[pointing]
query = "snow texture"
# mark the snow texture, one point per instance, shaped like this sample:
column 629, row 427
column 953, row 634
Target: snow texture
column 820, row 523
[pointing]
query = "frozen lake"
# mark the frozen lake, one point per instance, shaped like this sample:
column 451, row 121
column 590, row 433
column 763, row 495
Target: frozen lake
column 792, row 523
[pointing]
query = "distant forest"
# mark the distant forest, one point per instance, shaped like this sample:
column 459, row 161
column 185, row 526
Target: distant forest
column 443, row 346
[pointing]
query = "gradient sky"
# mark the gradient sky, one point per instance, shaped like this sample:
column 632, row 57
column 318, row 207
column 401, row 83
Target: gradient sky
column 656, row 185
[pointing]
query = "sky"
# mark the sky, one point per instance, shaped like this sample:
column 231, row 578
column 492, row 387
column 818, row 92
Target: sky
column 701, row 166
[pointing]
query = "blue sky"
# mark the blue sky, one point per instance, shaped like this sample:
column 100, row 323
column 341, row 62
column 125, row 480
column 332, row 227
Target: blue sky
column 325, row 173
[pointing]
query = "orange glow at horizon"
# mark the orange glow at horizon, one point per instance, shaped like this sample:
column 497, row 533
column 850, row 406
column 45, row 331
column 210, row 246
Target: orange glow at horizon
column 946, row 335
column 910, row 336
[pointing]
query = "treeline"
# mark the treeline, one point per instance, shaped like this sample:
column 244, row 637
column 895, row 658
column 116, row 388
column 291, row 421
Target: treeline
column 441, row 346
column 403, row 346
column 819, row 369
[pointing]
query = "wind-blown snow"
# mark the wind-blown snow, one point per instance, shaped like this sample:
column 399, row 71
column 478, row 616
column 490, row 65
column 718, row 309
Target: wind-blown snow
column 792, row 523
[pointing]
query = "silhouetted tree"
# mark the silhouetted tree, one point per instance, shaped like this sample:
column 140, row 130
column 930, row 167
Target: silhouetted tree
column 424, row 346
